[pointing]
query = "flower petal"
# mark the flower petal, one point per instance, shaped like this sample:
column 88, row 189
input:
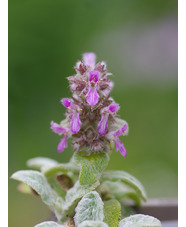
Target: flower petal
column 66, row 102
column 89, row 59
column 57, row 128
column 114, row 108
column 62, row 144
column 94, row 76
column 92, row 96
column 103, row 124
column 75, row 122
column 120, row 146
column 121, row 130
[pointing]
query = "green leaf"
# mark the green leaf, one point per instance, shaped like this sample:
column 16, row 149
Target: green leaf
column 38, row 182
column 41, row 163
column 75, row 194
column 61, row 169
column 118, row 191
column 89, row 208
column 93, row 224
column 140, row 220
column 48, row 224
column 127, row 179
column 56, row 187
column 112, row 212
column 92, row 164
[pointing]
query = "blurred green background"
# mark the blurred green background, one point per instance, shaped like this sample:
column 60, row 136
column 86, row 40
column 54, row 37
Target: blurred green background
column 138, row 40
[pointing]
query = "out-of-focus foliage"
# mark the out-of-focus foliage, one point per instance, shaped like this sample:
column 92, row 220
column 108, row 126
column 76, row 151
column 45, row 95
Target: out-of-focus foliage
column 138, row 40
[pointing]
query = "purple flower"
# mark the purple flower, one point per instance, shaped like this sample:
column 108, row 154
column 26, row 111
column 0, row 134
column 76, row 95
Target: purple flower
column 103, row 124
column 57, row 128
column 121, row 130
column 113, row 108
column 94, row 76
column 60, row 130
column 62, row 144
column 118, row 143
column 120, row 146
column 66, row 102
column 92, row 96
column 89, row 59
column 75, row 123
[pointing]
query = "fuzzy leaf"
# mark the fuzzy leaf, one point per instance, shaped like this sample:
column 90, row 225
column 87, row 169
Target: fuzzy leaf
column 89, row 208
column 75, row 194
column 61, row 169
column 56, row 187
column 118, row 191
column 112, row 212
column 140, row 220
column 38, row 182
column 41, row 163
column 93, row 224
column 48, row 224
column 127, row 179
column 92, row 164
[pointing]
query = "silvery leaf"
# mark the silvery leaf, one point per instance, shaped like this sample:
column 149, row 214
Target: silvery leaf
column 89, row 208
column 38, row 182
column 127, row 179
column 92, row 164
column 140, row 220
column 93, row 224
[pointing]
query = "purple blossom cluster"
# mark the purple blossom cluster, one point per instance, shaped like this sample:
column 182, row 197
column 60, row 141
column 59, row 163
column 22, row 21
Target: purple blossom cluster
column 91, row 120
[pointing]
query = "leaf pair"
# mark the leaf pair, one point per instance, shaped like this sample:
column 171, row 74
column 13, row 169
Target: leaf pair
column 91, row 209
column 92, row 212
column 45, row 184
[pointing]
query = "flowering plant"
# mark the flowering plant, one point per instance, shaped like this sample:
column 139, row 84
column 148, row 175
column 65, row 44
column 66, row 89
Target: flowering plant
column 81, row 193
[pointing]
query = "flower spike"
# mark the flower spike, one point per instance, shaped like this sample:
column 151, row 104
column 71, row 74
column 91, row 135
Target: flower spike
column 91, row 114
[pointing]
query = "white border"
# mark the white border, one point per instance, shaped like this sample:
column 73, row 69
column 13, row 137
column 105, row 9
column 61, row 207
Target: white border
column 4, row 110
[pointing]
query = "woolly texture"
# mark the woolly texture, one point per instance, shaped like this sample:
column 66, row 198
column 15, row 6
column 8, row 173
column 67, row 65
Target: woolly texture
column 89, row 208
column 91, row 114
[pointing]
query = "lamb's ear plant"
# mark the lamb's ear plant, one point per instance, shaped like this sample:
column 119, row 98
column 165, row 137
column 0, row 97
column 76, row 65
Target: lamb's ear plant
column 81, row 193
